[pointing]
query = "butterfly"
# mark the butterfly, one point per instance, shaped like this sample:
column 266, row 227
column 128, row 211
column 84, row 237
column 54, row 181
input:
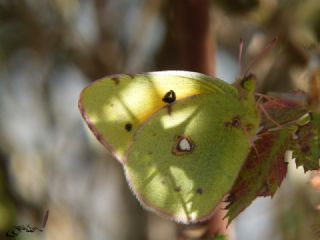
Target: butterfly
column 180, row 136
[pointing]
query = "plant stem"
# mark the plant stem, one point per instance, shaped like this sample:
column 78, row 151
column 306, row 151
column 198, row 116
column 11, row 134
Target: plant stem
column 194, row 37
column 196, row 48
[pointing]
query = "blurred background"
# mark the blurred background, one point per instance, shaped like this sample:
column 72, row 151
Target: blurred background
column 51, row 49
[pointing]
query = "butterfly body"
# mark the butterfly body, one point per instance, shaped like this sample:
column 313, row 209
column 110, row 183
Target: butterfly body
column 182, row 137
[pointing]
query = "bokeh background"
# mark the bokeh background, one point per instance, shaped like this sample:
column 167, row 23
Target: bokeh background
column 51, row 49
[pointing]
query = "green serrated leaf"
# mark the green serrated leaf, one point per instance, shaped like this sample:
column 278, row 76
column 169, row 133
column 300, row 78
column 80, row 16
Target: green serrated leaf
column 262, row 173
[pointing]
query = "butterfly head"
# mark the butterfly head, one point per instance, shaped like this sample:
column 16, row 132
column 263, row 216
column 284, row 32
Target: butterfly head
column 248, row 83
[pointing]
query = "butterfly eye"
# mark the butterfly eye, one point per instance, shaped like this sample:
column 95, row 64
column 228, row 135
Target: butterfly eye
column 169, row 97
column 249, row 83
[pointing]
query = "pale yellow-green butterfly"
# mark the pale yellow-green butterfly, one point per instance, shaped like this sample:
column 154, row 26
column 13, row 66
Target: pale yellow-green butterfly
column 181, row 137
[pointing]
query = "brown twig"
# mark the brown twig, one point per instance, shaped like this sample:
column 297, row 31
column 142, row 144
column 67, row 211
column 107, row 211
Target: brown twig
column 197, row 53
column 194, row 38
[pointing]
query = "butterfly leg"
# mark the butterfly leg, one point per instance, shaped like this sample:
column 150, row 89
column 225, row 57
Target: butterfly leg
column 265, row 112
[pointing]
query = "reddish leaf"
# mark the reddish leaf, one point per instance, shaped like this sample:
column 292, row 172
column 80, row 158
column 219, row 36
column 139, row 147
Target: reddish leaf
column 260, row 176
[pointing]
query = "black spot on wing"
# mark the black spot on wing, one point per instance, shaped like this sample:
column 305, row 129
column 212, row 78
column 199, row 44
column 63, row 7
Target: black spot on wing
column 169, row 97
column 116, row 80
column 128, row 127
column 177, row 189
column 199, row 191
column 235, row 122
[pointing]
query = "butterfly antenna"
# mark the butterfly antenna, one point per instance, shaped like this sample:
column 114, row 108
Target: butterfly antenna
column 260, row 55
column 269, row 99
column 240, row 56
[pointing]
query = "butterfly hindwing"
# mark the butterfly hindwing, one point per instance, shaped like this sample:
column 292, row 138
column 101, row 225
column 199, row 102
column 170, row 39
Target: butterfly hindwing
column 182, row 164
